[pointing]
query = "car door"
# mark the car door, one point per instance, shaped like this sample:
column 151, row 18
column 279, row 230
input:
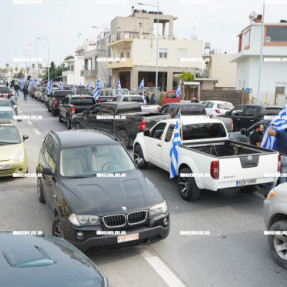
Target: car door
column 164, row 109
column 106, row 116
column 166, row 147
column 90, row 117
column 236, row 115
column 154, row 144
column 249, row 116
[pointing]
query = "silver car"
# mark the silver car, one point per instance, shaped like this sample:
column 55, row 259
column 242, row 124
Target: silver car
column 275, row 218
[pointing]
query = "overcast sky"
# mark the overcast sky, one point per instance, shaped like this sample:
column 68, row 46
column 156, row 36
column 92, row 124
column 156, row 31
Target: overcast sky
column 215, row 21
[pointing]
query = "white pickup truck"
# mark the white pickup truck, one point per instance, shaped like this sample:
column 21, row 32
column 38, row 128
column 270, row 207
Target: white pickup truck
column 207, row 159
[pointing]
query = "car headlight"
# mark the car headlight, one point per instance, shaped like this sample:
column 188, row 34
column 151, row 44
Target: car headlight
column 82, row 220
column 19, row 156
column 271, row 194
column 158, row 209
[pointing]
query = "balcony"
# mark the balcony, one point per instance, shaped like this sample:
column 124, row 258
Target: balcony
column 123, row 63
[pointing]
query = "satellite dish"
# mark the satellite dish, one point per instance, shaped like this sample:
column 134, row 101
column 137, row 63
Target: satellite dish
column 252, row 15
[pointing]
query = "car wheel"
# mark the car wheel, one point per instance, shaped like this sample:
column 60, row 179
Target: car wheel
column 77, row 126
column 187, row 186
column 69, row 123
column 54, row 113
column 123, row 136
column 40, row 191
column 138, row 153
column 278, row 243
column 57, row 229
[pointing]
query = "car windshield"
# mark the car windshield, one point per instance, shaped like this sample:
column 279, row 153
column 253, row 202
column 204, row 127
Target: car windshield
column 92, row 160
column 4, row 90
column 9, row 135
column 6, row 115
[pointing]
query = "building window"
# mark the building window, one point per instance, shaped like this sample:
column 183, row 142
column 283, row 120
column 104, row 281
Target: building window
column 275, row 36
column 86, row 64
column 128, row 54
column 246, row 40
column 122, row 55
column 72, row 67
column 163, row 53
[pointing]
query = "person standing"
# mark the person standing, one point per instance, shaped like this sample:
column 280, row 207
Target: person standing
column 281, row 146
column 25, row 92
column 257, row 136
column 152, row 99
column 16, row 88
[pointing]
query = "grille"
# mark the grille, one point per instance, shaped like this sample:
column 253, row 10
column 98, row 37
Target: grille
column 137, row 217
column 7, row 171
column 115, row 220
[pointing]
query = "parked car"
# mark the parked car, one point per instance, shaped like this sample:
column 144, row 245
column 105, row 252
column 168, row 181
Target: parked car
column 56, row 99
column 244, row 134
column 244, row 116
column 85, row 204
column 206, row 150
column 7, row 103
column 29, row 260
column 74, row 104
column 4, row 92
column 169, row 97
column 214, row 108
column 8, row 113
column 123, row 119
column 275, row 218
column 12, row 150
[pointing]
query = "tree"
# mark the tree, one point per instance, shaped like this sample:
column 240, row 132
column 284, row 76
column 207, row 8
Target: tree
column 54, row 71
column 185, row 77
column 68, row 58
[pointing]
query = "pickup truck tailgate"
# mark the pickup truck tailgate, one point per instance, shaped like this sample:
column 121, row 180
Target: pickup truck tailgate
column 79, row 109
column 247, row 169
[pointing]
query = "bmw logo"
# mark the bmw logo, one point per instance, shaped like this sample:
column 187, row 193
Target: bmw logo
column 124, row 208
column 250, row 157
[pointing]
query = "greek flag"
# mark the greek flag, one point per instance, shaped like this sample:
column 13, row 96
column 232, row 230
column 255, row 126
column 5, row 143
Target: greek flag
column 174, row 149
column 61, row 85
column 31, row 85
column 177, row 92
column 141, row 86
column 279, row 124
column 120, row 88
column 49, row 87
column 89, row 86
column 22, row 84
column 97, row 89
column 73, row 88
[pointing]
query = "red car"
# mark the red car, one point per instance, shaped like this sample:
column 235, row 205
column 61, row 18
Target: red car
column 170, row 98
column 4, row 92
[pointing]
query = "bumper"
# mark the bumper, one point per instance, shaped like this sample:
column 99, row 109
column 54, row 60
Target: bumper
column 267, row 212
column 19, row 167
column 147, row 234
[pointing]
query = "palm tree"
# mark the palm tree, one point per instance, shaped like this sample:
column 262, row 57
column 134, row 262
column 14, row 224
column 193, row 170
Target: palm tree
column 11, row 71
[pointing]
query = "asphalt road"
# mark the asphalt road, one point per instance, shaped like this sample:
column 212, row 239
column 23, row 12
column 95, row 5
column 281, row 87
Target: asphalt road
column 235, row 253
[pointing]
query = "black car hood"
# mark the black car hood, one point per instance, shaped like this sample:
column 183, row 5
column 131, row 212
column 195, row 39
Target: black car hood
column 106, row 195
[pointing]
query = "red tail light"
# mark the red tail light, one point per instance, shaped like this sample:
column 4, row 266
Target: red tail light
column 279, row 163
column 214, row 169
column 55, row 103
column 142, row 125
column 231, row 126
column 99, row 100
column 158, row 108
column 217, row 111
column 72, row 110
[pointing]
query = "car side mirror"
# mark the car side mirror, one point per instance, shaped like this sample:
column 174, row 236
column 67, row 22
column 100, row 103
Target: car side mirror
column 147, row 133
column 25, row 137
column 139, row 162
column 47, row 171
column 243, row 131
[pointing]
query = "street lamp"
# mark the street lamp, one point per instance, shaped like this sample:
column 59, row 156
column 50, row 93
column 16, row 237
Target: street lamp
column 156, row 73
column 46, row 38
column 27, row 52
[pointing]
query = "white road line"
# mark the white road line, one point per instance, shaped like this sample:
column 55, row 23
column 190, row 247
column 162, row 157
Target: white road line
column 30, row 123
column 37, row 132
column 164, row 272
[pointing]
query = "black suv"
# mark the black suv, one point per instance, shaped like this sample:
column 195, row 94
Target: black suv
column 95, row 192
column 56, row 99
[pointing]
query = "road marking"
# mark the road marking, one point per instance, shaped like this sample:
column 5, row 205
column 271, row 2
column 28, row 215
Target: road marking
column 163, row 271
column 30, row 123
column 37, row 132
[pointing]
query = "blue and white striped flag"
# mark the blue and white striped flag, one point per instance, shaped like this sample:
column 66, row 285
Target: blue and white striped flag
column 73, row 88
column 174, row 149
column 177, row 92
column 279, row 124
column 89, row 86
column 61, row 85
column 120, row 88
column 141, row 86
column 22, row 84
column 49, row 87
column 97, row 89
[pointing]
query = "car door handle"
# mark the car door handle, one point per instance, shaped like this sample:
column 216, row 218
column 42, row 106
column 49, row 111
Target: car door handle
column 158, row 144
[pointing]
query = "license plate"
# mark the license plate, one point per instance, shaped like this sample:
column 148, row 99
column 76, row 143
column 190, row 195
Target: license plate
column 5, row 166
column 130, row 237
column 246, row 182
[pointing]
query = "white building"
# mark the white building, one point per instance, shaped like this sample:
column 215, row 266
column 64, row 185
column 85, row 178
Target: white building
column 76, row 65
column 274, row 65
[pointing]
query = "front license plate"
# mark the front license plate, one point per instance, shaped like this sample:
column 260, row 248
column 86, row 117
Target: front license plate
column 129, row 237
column 246, row 182
column 5, row 166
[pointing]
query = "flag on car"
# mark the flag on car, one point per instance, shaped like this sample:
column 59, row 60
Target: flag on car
column 120, row 88
column 89, row 86
column 49, row 87
column 61, row 85
column 73, row 88
column 97, row 89
column 174, row 149
column 279, row 124
column 22, row 84
column 141, row 86
column 177, row 92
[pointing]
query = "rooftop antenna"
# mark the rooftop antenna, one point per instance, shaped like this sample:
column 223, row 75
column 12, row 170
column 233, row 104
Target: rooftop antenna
column 252, row 15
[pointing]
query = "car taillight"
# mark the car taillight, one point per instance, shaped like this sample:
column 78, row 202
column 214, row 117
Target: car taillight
column 279, row 163
column 55, row 103
column 158, row 108
column 214, row 169
column 217, row 111
column 99, row 100
column 231, row 129
column 72, row 110
column 142, row 125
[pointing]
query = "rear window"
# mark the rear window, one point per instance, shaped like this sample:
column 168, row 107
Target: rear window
column 83, row 101
column 4, row 90
column 62, row 94
column 203, row 131
column 272, row 111
column 129, row 109
column 209, row 105
column 133, row 99
column 192, row 110
column 171, row 95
